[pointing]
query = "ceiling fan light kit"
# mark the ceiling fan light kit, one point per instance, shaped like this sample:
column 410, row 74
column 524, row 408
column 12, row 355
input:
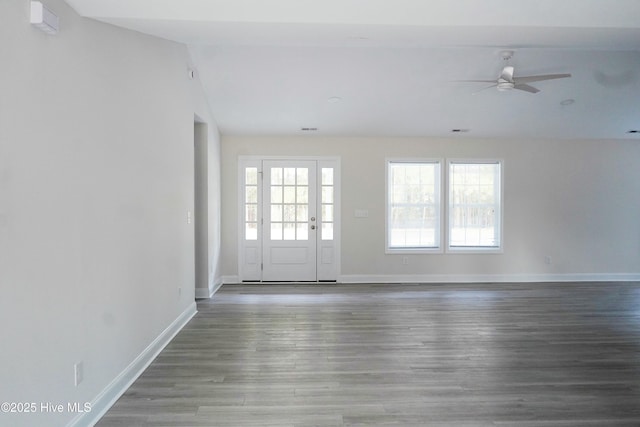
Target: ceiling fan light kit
column 505, row 86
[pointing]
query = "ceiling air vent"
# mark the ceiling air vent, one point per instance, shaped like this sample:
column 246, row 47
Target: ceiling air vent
column 309, row 129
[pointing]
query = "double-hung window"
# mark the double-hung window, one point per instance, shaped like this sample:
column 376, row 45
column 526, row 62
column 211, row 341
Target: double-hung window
column 474, row 208
column 413, row 205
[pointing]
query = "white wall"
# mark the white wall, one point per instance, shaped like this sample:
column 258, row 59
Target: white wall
column 573, row 201
column 96, row 178
column 207, row 210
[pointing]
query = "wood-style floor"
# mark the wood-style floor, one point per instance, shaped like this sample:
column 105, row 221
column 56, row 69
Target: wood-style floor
column 398, row 355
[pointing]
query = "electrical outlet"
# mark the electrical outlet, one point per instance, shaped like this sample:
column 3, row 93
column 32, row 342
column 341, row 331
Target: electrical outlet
column 405, row 260
column 179, row 290
column 547, row 260
column 78, row 373
column 189, row 217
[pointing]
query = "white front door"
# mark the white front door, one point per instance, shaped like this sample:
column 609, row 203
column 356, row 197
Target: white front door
column 290, row 220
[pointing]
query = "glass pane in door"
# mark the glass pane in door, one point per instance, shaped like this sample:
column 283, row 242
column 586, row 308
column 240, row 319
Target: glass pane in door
column 289, row 203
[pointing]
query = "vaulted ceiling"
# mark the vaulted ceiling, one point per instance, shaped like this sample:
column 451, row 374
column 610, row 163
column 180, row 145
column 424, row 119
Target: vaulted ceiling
column 393, row 67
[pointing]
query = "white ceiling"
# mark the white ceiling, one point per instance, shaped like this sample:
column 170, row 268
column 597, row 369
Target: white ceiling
column 272, row 67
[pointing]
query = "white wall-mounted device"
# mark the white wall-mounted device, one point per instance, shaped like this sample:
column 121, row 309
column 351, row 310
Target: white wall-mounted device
column 43, row 19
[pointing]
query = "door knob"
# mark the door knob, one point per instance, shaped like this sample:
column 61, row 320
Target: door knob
column 313, row 218
column 313, row 227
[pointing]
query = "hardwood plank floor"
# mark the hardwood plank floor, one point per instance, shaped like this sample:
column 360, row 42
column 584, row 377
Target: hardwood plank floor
column 553, row 354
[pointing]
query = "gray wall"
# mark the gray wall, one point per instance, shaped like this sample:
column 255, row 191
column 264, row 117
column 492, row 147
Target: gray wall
column 96, row 179
column 573, row 201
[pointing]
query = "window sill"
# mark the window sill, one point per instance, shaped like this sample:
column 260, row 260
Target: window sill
column 474, row 250
column 409, row 251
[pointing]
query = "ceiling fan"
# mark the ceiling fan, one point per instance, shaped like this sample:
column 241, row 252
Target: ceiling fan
column 508, row 81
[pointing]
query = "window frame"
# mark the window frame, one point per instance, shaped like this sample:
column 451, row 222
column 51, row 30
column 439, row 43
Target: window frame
column 447, row 218
column 439, row 248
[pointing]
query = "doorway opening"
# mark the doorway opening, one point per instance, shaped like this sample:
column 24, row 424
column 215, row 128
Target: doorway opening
column 201, row 203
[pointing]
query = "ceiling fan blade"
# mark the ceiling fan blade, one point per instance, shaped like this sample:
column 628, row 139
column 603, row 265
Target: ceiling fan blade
column 531, row 79
column 507, row 73
column 485, row 88
column 526, row 88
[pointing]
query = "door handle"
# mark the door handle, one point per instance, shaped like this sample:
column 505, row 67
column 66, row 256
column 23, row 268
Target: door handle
column 313, row 227
column 313, row 218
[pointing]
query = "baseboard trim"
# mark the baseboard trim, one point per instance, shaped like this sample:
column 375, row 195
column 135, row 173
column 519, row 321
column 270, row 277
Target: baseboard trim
column 230, row 279
column 101, row 404
column 202, row 293
column 473, row 278
column 488, row 278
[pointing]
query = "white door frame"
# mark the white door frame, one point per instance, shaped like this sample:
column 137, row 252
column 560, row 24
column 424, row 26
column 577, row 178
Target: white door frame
column 250, row 221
